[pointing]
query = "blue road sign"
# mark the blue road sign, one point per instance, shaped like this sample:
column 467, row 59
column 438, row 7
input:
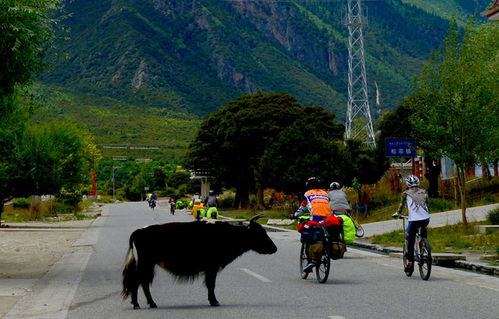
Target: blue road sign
column 400, row 148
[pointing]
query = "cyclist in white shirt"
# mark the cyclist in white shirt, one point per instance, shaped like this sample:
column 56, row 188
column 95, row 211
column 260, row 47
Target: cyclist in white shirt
column 416, row 200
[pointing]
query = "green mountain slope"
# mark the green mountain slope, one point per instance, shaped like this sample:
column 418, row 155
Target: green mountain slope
column 151, row 133
column 192, row 56
column 447, row 8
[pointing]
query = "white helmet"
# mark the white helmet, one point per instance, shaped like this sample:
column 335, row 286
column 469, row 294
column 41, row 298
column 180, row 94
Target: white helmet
column 334, row 185
column 412, row 181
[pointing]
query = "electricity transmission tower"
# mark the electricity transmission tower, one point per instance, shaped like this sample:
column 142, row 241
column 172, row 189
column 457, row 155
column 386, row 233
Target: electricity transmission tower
column 358, row 123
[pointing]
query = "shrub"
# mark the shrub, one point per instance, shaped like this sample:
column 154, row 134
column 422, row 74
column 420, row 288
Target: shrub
column 493, row 217
column 23, row 203
column 226, row 201
column 439, row 205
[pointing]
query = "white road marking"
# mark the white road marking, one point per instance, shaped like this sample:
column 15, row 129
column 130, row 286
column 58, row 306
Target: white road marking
column 254, row 274
column 336, row 317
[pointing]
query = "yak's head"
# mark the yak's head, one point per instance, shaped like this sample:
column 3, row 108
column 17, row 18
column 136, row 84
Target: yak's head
column 259, row 240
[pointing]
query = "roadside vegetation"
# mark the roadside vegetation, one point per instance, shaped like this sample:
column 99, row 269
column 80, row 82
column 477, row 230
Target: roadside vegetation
column 50, row 210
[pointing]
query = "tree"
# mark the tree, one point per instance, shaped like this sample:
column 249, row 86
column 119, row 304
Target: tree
column 397, row 125
column 311, row 146
column 11, row 128
column 364, row 165
column 231, row 140
column 456, row 115
column 299, row 153
column 27, row 32
column 54, row 158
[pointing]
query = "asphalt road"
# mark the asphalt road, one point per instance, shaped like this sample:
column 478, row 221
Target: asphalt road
column 362, row 285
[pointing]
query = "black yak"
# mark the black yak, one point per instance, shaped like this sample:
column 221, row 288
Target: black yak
column 188, row 249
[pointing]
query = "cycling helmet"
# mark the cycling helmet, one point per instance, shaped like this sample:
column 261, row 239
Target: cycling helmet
column 313, row 183
column 334, row 185
column 412, row 181
column 212, row 192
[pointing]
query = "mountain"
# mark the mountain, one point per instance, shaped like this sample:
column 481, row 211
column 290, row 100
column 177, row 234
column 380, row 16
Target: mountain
column 120, row 130
column 191, row 56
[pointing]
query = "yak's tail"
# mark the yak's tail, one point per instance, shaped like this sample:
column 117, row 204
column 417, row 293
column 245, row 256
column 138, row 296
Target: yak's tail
column 130, row 275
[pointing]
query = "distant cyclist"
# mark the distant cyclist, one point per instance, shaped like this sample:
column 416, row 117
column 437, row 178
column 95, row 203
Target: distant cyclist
column 416, row 200
column 211, row 204
column 340, row 206
column 211, row 200
column 338, row 200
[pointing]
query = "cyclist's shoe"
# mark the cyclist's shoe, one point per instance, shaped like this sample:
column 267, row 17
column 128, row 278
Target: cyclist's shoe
column 409, row 267
column 308, row 268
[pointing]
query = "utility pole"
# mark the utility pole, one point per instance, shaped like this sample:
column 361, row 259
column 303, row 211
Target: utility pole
column 358, row 122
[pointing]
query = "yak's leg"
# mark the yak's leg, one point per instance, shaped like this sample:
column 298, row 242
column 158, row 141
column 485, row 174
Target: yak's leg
column 134, row 292
column 210, row 278
column 146, row 277
column 147, row 292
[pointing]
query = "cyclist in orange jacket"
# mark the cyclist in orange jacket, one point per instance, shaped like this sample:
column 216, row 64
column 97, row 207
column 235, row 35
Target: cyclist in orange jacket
column 315, row 201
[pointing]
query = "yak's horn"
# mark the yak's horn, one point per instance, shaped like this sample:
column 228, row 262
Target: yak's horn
column 254, row 218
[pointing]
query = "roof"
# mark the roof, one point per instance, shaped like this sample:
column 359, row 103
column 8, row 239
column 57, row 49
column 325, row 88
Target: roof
column 492, row 11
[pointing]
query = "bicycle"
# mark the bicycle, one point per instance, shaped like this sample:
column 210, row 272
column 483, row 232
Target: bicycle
column 422, row 252
column 321, row 260
column 152, row 203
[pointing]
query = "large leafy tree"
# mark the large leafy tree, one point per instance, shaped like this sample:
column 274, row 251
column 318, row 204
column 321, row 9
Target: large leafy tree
column 456, row 114
column 231, row 140
column 268, row 140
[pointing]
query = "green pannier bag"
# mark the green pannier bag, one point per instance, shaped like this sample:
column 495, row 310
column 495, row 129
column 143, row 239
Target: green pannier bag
column 348, row 229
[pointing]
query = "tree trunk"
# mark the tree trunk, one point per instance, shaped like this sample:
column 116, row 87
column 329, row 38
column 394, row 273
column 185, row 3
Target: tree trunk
column 462, row 192
column 259, row 198
column 1, row 211
column 485, row 170
column 241, row 199
column 432, row 176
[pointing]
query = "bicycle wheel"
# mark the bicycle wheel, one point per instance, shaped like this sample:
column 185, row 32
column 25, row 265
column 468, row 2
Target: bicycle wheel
column 406, row 260
column 359, row 230
column 303, row 260
column 425, row 259
column 323, row 266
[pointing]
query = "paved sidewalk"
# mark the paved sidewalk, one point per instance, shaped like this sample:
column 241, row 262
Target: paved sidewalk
column 452, row 217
